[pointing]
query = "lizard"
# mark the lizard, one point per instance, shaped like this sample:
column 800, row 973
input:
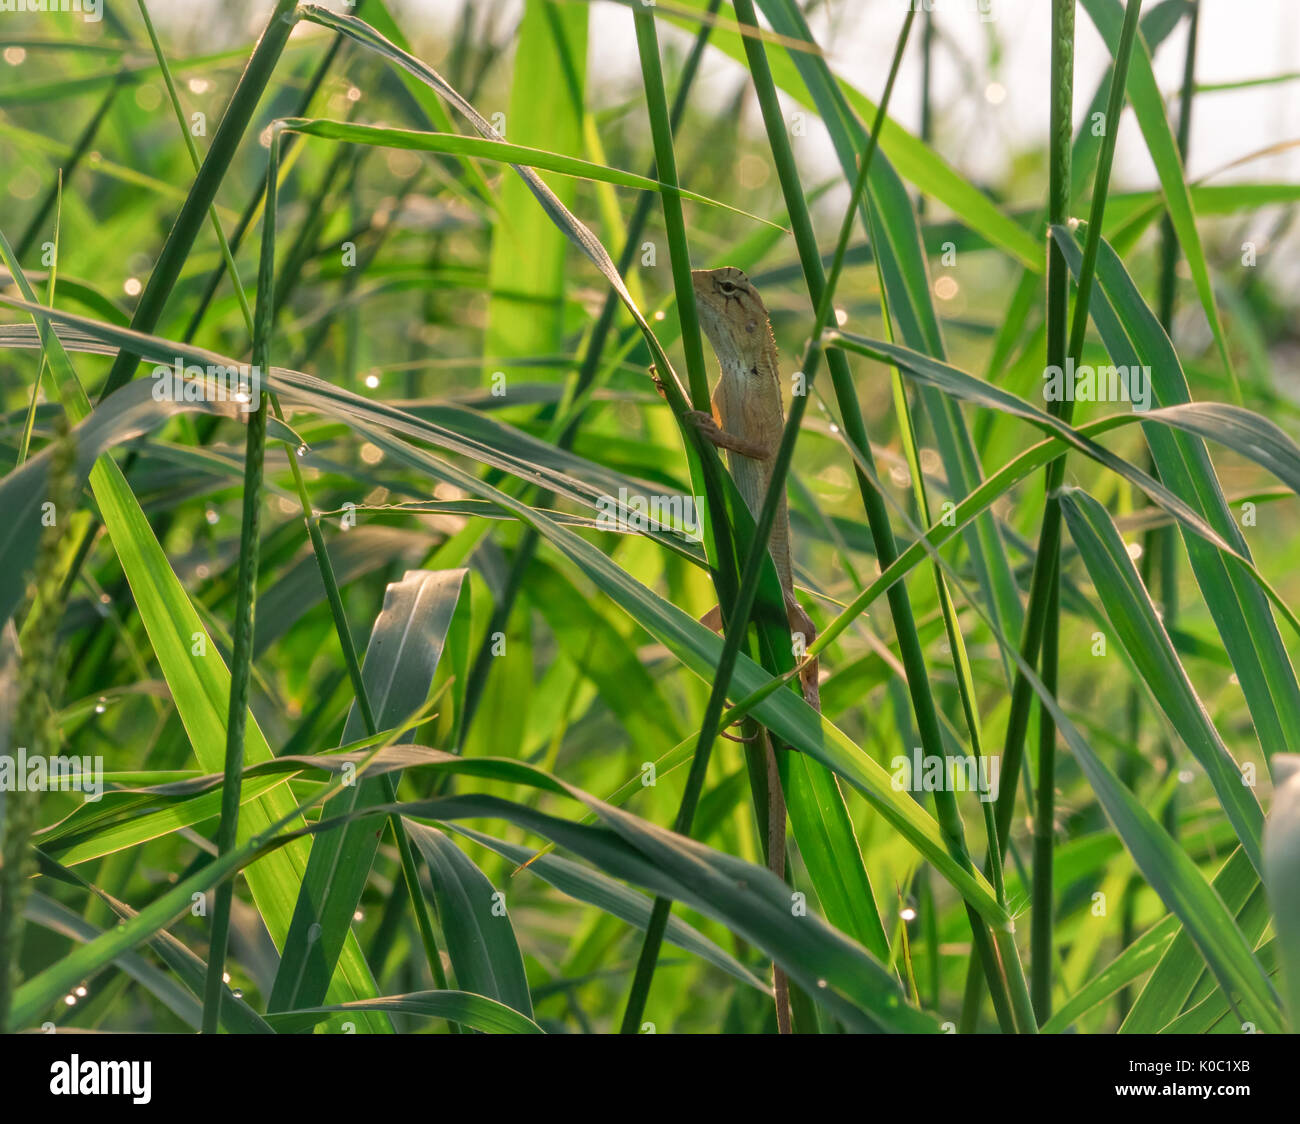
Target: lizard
column 747, row 421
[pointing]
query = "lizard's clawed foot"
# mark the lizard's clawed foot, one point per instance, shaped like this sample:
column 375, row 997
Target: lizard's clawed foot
column 659, row 383
column 705, row 423
column 708, row 426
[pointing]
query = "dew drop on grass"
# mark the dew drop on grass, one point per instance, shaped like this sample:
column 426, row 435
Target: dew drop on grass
column 313, row 934
column 101, row 705
column 237, row 992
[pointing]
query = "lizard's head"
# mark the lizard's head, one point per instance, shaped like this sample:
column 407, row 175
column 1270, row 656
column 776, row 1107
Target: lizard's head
column 732, row 314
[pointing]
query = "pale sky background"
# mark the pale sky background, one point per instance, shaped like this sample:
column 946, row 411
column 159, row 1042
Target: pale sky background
column 979, row 131
column 1237, row 39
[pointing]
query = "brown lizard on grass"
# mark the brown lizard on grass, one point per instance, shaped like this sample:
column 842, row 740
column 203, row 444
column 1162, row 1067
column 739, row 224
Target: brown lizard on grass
column 747, row 421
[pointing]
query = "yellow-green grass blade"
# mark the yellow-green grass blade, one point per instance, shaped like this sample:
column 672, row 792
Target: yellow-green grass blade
column 505, row 152
column 195, row 672
column 1134, row 339
column 1137, row 626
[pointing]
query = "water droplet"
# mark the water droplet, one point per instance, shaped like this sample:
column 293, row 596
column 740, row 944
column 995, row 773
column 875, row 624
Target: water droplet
column 101, row 705
column 70, row 1000
column 237, row 992
column 313, row 934
column 211, row 515
column 80, row 991
column 907, row 913
column 359, row 916
column 301, row 450
column 821, row 983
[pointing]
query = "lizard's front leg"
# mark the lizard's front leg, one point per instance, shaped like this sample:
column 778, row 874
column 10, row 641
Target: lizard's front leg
column 707, row 424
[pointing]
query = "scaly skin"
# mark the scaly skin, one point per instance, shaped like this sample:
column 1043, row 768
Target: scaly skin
column 747, row 421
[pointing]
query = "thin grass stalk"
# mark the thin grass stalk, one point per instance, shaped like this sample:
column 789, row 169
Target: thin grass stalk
column 1163, row 545
column 927, row 99
column 1044, row 609
column 242, row 652
column 1046, row 606
column 35, row 723
column 737, row 620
